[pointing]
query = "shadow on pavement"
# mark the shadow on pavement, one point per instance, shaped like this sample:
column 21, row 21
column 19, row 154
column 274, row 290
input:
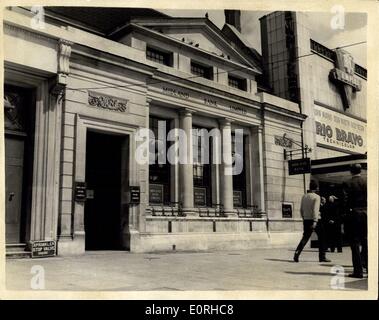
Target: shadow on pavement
column 361, row 284
column 279, row 260
column 310, row 273
column 331, row 264
column 305, row 250
column 300, row 261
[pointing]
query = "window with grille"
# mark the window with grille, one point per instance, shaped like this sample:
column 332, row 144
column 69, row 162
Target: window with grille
column 237, row 83
column 159, row 174
column 239, row 180
column 159, row 56
column 201, row 70
column 202, row 175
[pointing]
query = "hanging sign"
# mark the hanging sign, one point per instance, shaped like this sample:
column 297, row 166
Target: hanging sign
column 299, row 166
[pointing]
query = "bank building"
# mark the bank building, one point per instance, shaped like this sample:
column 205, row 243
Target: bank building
column 81, row 83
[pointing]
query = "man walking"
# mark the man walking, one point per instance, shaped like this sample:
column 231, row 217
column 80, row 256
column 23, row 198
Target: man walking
column 310, row 212
column 355, row 199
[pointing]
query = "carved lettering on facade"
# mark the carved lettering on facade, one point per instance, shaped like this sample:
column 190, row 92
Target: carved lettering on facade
column 283, row 142
column 175, row 93
column 238, row 110
column 106, row 102
column 210, row 102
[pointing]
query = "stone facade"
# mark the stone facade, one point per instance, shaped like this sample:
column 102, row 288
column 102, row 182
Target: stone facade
column 88, row 83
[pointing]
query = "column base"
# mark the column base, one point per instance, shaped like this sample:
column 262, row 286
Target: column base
column 68, row 245
column 190, row 212
column 230, row 213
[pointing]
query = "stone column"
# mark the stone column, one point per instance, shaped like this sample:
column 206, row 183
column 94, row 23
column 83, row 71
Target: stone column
column 226, row 168
column 215, row 165
column 174, row 167
column 186, row 162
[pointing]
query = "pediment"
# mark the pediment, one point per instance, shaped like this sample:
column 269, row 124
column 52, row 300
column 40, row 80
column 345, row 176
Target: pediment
column 197, row 32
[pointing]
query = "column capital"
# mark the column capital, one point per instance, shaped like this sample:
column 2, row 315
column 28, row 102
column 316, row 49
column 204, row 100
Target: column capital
column 225, row 121
column 186, row 112
column 257, row 129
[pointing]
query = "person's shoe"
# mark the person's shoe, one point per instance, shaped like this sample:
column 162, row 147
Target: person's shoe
column 332, row 250
column 296, row 257
column 340, row 250
column 355, row 275
column 324, row 260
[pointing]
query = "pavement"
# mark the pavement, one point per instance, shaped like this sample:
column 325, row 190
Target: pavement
column 258, row 269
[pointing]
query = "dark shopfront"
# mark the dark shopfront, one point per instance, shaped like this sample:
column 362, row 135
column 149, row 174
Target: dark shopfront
column 331, row 173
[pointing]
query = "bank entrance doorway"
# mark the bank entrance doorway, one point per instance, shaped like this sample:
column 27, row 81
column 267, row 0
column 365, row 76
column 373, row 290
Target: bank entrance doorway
column 106, row 179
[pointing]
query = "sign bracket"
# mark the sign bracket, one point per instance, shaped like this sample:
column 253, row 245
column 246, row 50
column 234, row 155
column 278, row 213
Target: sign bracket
column 302, row 150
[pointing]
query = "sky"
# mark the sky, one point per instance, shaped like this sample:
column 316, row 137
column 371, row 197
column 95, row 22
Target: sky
column 355, row 29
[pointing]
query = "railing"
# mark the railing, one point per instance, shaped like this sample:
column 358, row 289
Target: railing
column 249, row 212
column 215, row 211
column 172, row 209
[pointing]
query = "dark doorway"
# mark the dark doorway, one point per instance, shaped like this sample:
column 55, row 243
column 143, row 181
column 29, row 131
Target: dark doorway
column 102, row 215
column 19, row 117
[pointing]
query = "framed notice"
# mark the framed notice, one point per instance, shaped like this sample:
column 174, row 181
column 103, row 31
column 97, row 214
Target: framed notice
column 135, row 195
column 287, row 209
column 43, row 249
column 200, row 196
column 80, row 191
column 156, row 193
column 237, row 199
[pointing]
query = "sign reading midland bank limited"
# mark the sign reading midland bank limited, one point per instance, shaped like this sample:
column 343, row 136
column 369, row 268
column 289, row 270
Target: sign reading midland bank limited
column 339, row 131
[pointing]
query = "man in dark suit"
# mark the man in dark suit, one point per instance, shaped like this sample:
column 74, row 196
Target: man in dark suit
column 332, row 221
column 355, row 200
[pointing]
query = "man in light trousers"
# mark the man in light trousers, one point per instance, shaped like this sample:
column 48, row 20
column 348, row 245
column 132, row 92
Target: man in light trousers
column 310, row 212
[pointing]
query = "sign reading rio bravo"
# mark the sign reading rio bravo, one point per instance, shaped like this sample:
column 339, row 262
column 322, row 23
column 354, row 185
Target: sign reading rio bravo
column 339, row 131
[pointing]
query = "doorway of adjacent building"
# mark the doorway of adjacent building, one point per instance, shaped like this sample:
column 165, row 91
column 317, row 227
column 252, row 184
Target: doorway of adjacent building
column 105, row 176
column 19, row 117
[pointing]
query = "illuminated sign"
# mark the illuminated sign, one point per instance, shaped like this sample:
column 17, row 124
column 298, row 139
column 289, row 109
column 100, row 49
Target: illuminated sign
column 339, row 131
column 344, row 76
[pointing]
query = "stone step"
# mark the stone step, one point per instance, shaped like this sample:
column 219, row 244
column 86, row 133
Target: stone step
column 12, row 247
column 17, row 251
column 18, row 255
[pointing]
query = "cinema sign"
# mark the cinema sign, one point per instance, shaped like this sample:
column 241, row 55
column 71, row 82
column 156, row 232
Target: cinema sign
column 339, row 131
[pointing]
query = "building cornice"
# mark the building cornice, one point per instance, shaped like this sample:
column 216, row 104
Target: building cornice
column 283, row 112
column 20, row 22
